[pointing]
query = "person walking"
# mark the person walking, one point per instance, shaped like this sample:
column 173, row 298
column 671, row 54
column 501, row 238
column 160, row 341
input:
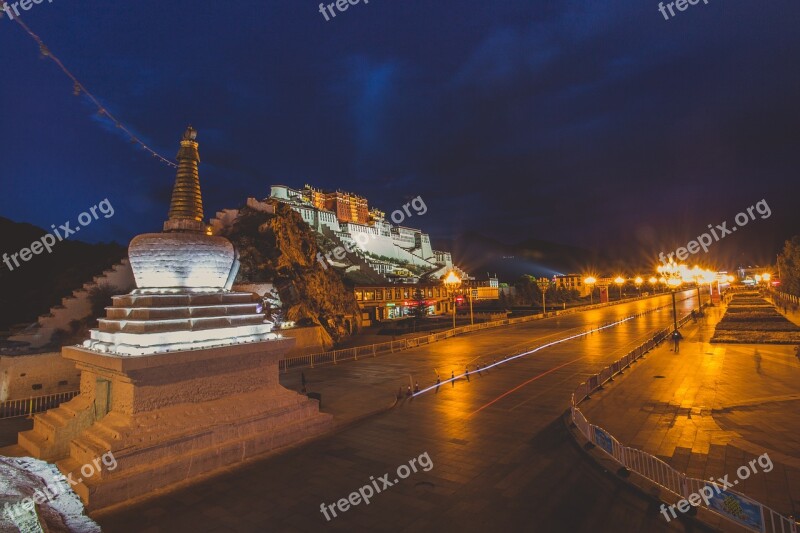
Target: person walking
column 676, row 339
column 466, row 372
column 453, row 378
column 438, row 383
column 408, row 392
column 416, row 387
column 303, row 381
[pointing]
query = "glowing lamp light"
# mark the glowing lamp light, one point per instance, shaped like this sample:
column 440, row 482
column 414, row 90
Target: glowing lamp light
column 452, row 280
column 619, row 280
column 674, row 282
column 591, row 280
column 638, row 280
column 766, row 276
column 652, row 280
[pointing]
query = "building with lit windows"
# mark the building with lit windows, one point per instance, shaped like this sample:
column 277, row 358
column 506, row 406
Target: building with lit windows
column 572, row 282
column 388, row 302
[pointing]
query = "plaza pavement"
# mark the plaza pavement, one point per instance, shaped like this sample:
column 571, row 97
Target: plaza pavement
column 502, row 457
column 712, row 408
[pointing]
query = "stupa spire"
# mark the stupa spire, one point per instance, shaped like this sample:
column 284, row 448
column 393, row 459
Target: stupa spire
column 186, row 207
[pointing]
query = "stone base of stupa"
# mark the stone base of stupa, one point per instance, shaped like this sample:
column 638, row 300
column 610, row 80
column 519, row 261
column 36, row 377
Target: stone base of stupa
column 171, row 417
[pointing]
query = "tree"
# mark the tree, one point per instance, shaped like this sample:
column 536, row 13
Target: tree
column 789, row 266
column 527, row 291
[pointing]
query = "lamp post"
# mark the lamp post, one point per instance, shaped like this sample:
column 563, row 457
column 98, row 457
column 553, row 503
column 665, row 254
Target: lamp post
column 543, row 284
column 590, row 281
column 471, row 319
column 697, row 275
column 620, row 281
column 653, row 280
column 638, row 281
column 451, row 283
column 671, row 274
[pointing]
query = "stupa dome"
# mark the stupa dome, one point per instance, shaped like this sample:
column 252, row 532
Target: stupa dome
column 184, row 260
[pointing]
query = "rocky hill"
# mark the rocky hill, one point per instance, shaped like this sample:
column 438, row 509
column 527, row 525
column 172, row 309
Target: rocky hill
column 282, row 249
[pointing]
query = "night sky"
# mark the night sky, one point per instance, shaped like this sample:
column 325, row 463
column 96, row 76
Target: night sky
column 595, row 124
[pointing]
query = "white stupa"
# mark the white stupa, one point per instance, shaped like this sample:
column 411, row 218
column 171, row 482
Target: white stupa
column 181, row 379
column 183, row 276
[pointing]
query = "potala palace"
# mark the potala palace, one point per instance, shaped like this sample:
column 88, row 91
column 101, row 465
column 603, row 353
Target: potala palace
column 398, row 253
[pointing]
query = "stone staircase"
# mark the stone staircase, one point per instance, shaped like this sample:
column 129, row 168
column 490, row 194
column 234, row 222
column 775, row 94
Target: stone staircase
column 75, row 307
column 54, row 429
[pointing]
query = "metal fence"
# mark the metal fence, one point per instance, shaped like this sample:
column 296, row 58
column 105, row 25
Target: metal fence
column 787, row 297
column 373, row 350
column 653, row 468
column 36, row 404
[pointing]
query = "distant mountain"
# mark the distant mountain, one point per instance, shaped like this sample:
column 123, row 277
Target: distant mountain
column 479, row 255
column 33, row 287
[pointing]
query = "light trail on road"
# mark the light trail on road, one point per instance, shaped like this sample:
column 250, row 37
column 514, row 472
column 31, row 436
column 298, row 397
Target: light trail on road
column 534, row 350
column 542, row 347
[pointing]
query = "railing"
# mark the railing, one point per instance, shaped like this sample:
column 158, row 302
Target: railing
column 373, row 350
column 786, row 296
column 37, row 404
column 651, row 467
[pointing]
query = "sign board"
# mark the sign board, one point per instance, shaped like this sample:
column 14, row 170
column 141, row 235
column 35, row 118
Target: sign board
column 737, row 508
column 603, row 439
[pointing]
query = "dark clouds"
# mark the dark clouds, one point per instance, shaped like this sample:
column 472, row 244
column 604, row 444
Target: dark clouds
column 596, row 124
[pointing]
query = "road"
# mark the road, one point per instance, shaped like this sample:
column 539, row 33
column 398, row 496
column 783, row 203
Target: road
column 502, row 458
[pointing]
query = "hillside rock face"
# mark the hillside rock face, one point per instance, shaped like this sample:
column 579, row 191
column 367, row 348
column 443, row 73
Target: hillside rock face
column 281, row 248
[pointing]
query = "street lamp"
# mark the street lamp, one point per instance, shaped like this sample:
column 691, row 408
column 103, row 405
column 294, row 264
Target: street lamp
column 638, row 281
column 671, row 275
column 697, row 275
column 653, row 280
column 620, row 281
column 543, row 284
column 765, row 277
column 590, row 281
column 451, row 283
